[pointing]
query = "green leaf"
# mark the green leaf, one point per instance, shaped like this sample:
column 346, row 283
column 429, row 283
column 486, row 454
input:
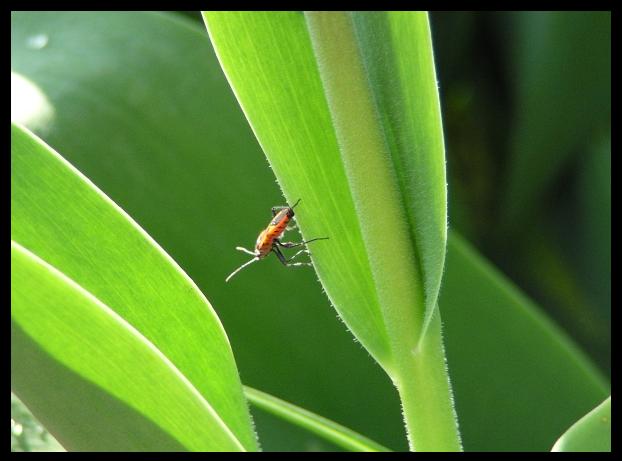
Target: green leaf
column 371, row 98
column 518, row 364
column 346, row 109
column 67, row 329
column 59, row 215
column 336, row 433
column 590, row 433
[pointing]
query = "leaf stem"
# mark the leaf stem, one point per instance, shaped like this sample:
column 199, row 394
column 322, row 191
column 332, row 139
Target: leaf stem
column 325, row 428
column 417, row 364
column 425, row 391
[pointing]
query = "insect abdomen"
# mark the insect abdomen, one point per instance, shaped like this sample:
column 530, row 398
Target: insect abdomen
column 275, row 229
column 267, row 237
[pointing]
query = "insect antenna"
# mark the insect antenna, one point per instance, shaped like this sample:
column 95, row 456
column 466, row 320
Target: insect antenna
column 240, row 268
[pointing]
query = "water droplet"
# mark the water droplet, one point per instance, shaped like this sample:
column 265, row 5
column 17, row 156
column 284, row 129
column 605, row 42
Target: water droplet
column 37, row 42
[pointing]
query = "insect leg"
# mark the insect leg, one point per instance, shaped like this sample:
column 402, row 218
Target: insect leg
column 292, row 225
column 279, row 255
column 304, row 250
column 286, row 262
column 299, row 264
column 297, row 244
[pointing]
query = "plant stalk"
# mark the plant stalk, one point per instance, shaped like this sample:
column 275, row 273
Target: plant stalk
column 423, row 384
column 417, row 363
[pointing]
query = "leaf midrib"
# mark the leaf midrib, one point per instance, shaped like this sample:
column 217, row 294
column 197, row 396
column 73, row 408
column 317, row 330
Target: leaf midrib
column 399, row 345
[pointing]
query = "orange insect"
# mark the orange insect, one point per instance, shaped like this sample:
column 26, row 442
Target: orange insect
column 269, row 240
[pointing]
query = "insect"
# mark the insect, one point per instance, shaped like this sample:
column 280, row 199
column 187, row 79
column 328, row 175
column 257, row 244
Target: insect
column 269, row 240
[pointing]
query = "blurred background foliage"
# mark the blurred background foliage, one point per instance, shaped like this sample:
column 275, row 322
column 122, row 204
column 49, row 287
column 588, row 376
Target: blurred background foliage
column 526, row 101
column 527, row 112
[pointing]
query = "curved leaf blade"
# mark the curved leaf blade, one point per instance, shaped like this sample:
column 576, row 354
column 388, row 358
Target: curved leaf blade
column 520, row 363
column 590, row 433
column 62, row 217
column 396, row 53
column 325, row 428
column 75, row 329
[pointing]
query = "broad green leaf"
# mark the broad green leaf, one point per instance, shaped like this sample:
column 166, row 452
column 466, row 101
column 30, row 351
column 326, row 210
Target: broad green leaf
column 60, row 216
column 66, row 330
column 199, row 184
column 336, row 433
column 27, row 434
column 590, row 433
column 345, row 106
column 519, row 376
